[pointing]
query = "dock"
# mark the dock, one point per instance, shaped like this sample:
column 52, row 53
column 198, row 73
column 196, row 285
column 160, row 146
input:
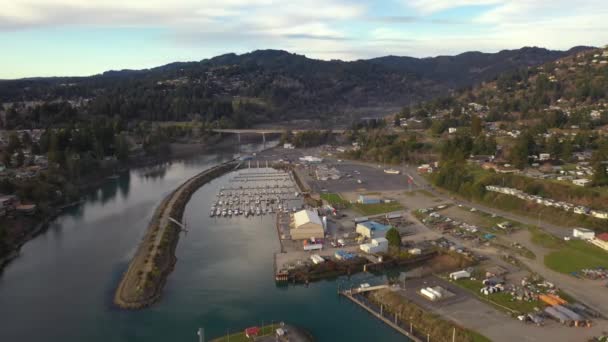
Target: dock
column 403, row 327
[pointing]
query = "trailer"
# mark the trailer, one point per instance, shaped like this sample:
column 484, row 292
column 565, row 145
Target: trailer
column 460, row 275
column 560, row 317
column 573, row 316
column 428, row 294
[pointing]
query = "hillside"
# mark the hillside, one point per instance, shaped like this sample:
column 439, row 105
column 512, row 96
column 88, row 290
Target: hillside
column 261, row 86
column 569, row 91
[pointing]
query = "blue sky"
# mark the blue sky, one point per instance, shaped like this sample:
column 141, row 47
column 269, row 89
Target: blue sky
column 84, row 37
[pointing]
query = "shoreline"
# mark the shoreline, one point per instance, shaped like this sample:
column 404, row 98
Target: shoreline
column 179, row 151
column 143, row 281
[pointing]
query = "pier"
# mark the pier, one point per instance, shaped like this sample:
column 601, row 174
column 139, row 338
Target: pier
column 394, row 321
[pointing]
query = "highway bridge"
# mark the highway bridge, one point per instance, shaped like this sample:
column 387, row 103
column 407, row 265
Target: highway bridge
column 271, row 130
column 264, row 131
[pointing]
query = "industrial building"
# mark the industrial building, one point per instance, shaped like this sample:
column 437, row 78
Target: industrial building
column 372, row 229
column 583, row 233
column 379, row 245
column 306, row 224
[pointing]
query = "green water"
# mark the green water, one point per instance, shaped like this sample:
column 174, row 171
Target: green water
column 61, row 287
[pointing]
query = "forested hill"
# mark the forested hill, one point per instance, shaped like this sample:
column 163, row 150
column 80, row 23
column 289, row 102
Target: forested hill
column 569, row 91
column 473, row 67
column 264, row 85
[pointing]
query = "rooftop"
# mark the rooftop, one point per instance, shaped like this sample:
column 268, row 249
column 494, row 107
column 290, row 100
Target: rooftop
column 373, row 225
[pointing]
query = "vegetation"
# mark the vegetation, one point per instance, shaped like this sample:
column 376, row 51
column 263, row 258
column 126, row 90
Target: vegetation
column 335, row 200
column 393, row 237
column 384, row 146
column 470, row 182
column 576, row 255
column 502, row 300
column 378, row 208
column 425, row 321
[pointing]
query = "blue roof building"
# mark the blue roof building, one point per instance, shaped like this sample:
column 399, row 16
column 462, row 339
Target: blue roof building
column 372, row 229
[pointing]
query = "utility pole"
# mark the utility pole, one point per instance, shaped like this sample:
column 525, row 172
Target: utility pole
column 201, row 335
column 454, row 335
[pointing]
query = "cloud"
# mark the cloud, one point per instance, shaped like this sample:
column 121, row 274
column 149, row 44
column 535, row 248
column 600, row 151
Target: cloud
column 433, row 6
column 346, row 29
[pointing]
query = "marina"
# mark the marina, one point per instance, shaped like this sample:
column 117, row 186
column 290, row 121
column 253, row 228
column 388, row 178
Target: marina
column 261, row 193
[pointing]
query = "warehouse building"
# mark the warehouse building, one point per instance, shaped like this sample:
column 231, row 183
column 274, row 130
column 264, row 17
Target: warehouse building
column 379, row 245
column 583, row 233
column 306, row 224
column 372, row 229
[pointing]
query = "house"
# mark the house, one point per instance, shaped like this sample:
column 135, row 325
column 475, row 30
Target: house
column 306, row 224
column 583, row 233
column 544, row 156
column 288, row 146
column 599, row 214
column 452, row 130
column 372, row 229
column 581, row 181
column 601, row 241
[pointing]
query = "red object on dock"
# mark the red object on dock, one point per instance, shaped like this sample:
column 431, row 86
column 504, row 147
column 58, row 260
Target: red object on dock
column 252, row 331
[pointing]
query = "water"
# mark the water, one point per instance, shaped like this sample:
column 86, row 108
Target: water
column 61, row 287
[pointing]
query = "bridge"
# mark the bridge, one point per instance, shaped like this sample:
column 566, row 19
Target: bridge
column 272, row 130
column 264, row 131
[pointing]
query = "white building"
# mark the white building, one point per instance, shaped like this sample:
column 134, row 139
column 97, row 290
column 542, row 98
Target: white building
column 311, row 159
column 306, row 224
column 581, row 182
column 288, row 146
column 379, row 245
column 452, row 130
column 583, row 233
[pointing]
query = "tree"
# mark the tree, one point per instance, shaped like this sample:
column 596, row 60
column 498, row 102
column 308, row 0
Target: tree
column 13, row 143
column 393, row 237
column 475, row 125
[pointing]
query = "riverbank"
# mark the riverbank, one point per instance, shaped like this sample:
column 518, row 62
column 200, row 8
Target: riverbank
column 143, row 281
column 97, row 180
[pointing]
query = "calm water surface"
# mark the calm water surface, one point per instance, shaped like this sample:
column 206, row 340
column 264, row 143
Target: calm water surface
column 61, row 287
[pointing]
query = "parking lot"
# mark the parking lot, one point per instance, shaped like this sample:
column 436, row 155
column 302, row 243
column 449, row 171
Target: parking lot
column 464, row 309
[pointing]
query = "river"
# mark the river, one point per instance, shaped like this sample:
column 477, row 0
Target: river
column 61, row 286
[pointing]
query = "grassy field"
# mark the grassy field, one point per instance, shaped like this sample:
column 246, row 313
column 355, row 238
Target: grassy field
column 576, row 255
column 375, row 209
column 544, row 239
column 501, row 300
column 240, row 336
column 422, row 192
column 335, row 200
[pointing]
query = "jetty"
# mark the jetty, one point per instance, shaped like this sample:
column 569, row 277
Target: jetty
column 144, row 279
column 356, row 295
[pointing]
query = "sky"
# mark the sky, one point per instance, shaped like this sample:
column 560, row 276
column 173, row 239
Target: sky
column 85, row 37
